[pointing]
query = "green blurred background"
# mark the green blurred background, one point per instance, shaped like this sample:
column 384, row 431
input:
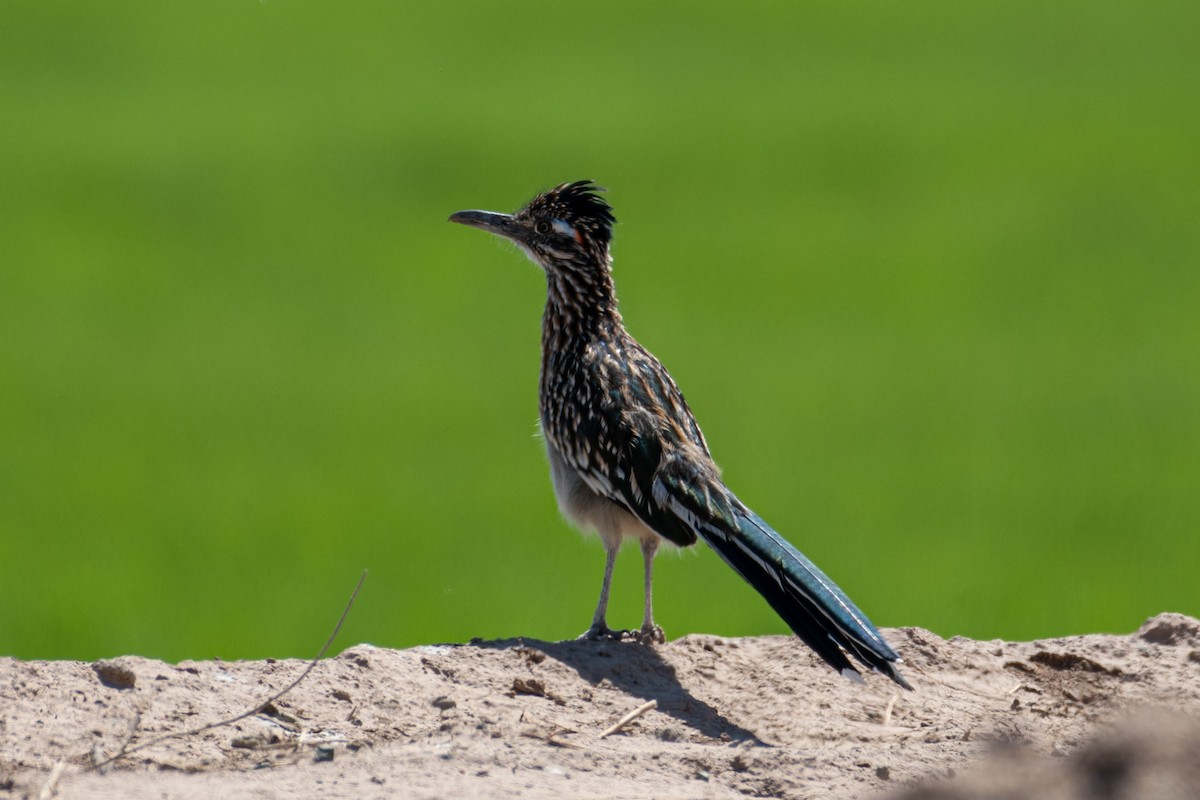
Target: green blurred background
column 927, row 273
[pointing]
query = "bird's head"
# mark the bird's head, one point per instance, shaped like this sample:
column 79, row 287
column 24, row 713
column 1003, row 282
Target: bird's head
column 567, row 226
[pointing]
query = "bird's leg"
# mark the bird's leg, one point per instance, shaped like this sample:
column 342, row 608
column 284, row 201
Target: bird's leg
column 599, row 628
column 650, row 633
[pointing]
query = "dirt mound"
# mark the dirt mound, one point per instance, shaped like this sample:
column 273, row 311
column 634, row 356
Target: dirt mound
column 732, row 717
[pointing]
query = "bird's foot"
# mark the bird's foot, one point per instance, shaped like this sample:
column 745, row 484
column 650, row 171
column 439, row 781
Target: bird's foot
column 650, row 634
column 599, row 632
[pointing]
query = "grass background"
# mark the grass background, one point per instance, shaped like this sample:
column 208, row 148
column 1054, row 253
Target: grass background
column 926, row 272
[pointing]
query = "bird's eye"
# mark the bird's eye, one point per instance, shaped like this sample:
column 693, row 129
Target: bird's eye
column 542, row 227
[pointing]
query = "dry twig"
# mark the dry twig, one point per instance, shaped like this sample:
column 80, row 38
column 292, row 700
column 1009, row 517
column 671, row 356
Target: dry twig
column 50, row 788
column 252, row 711
column 552, row 738
column 887, row 712
column 630, row 717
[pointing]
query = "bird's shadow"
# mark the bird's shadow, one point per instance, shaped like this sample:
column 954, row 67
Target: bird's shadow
column 639, row 671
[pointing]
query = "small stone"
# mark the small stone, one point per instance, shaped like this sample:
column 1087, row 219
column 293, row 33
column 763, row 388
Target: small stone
column 529, row 686
column 1169, row 629
column 114, row 675
column 323, row 753
column 670, row 734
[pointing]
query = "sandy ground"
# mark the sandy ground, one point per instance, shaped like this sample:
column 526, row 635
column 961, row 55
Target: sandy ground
column 1085, row 716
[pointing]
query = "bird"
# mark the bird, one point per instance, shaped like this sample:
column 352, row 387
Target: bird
column 627, row 457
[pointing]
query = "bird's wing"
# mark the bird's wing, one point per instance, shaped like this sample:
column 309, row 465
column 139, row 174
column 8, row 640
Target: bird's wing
column 639, row 415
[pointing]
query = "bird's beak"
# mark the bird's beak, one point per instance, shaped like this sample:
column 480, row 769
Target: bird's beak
column 499, row 224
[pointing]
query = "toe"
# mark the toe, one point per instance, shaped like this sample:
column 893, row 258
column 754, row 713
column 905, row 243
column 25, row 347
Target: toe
column 651, row 634
column 599, row 633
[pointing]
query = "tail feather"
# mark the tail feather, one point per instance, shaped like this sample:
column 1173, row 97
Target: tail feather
column 804, row 597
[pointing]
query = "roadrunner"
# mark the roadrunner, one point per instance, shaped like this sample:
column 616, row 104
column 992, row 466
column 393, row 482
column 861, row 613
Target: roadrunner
column 626, row 456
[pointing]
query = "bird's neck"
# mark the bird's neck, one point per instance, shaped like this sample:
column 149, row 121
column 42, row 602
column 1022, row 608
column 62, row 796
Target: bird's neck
column 581, row 304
